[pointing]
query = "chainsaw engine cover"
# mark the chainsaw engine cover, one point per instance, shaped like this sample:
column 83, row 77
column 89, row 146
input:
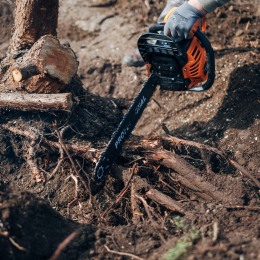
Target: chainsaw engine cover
column 174, row 63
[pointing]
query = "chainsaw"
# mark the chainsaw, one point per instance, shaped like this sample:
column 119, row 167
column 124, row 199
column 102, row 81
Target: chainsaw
column 186, row 65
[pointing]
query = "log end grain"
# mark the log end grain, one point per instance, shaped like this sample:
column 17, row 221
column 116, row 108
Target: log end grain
column 17, row 75
column 58, row 61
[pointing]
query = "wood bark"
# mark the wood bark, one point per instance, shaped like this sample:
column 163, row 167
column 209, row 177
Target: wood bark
column 47, row 56
column 164, row 200
column 135, row 206
column 187, row 171
column 33, row 19
column 38, row 102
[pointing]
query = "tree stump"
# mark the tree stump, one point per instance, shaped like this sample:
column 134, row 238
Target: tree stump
column 36, row 61
column 47, row 67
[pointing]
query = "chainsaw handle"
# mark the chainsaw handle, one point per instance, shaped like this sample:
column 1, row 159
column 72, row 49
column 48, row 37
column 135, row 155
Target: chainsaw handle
column 156, row 27
column 210, row 62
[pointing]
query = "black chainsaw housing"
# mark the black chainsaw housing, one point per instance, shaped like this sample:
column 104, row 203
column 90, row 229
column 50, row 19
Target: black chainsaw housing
column 166, row 58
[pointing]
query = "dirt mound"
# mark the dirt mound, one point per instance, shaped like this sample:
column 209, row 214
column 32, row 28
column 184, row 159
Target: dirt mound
column 30, row 228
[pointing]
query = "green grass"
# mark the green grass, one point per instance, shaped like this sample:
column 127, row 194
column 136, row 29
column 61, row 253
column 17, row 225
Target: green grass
column 185, row 242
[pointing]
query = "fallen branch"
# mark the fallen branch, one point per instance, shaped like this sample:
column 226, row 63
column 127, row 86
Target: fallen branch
column 36, row 102
column 121, row 253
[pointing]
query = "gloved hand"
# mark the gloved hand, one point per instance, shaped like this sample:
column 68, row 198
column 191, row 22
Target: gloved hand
column 183, row 22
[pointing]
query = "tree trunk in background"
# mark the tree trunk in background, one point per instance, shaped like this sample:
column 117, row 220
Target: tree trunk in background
column 33, row 19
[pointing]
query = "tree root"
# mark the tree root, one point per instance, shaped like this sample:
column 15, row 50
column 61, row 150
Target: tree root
column 187, row 171
column 223, row 154
column 34, row 147
column 164, row 200
column 139, row 150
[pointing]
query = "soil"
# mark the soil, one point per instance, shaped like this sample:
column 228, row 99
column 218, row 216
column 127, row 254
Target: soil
column 35, row 218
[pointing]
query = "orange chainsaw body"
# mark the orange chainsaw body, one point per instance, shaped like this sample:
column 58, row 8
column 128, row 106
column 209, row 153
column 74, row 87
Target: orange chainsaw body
column 194, row 69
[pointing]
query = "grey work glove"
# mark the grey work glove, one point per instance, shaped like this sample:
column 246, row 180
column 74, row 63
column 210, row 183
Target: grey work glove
column 183, row 22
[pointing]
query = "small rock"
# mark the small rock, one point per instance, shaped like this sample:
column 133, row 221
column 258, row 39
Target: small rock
column 216, row 10
column 231, row 8
column 33, row 183
column 239, row 32
column 221, row 15
column 91, row 252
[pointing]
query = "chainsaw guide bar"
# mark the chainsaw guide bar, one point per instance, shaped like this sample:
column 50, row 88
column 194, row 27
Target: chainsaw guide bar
column 124, row 129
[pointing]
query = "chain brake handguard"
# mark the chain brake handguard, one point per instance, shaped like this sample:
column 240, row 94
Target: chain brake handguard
column 179, row 65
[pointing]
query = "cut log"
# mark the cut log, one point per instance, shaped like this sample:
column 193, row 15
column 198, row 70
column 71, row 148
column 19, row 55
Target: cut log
column 38, row 102
column 47, row 56
column 24, row 72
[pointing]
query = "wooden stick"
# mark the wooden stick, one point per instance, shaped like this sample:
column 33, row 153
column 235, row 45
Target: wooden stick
column 36, row 102
column 24, row 72
column 150, row 216
column 135, row 207
column 34, row 146
column 121, row 194
column 164, row 200
column 63, row 244
column 122, row 253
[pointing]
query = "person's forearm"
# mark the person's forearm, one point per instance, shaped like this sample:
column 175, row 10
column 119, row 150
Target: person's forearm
column 211, row 5
column 198, row 6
